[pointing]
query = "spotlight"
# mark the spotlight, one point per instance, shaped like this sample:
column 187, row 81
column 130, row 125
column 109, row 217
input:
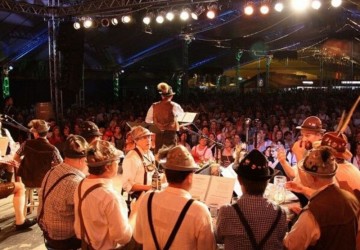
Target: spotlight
column 114, row 21
column 264, row 9
column 249, row 9
column 315, row 4
column 185, row 14
column 10, row 68
column 211, row 13
column 160, row 17
column 279, row 6
column 199, row 10
column 300, row 5
column 170, row 16
column 336, row 3
column 126, row 19
column 147, row 19
column 87, row 23
column 105, row 22
column 77, row 25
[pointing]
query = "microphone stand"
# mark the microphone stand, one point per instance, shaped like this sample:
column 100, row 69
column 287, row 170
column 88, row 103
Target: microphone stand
column 8, row 120
column 202, row 135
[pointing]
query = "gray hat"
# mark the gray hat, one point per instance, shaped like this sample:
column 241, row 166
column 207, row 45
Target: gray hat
column 179, row 158
column 102, row 153
column 75, row 147
column 138, row 131
column 39, row 126
column 320, row 162
column 89, row 129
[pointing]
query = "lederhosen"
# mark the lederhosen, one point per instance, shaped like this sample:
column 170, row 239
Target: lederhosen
column 176, row 227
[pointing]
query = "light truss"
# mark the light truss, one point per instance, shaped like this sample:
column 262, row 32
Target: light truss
column 92, row 7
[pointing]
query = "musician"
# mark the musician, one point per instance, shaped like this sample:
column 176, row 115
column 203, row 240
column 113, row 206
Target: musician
column 139, row 164
column 311, row 130
column 164, row 115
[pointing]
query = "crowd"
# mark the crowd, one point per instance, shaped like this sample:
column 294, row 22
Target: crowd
column 79, row 206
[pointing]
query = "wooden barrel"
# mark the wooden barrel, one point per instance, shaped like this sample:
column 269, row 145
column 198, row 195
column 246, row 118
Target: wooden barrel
column 44, row 111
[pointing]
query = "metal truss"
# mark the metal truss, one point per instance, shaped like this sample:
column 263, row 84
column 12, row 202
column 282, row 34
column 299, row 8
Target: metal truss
column 91, row 7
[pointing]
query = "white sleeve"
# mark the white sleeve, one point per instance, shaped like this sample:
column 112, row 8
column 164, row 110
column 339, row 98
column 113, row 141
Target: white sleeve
column 150, row 115
column 304, row 232
column 130, row 168
column 177, row 110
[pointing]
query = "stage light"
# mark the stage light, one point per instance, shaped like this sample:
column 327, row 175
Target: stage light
column 170, row 16
column 315, row 4
column 249, row 9
column 279, row 6
column 160, row 17
column 105, row 22
column 211, row 13
column 88, row 23
column 185, row 14
column 77, row 25
column 126, row 19
column 264, row 9
column 114, row 21
column 199, row 10
column 336, row 3
column 147, row 20
column 10, row 68
column 300, row 5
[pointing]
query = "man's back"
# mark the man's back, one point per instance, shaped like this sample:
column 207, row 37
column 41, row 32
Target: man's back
column 58, row 212
column 195, row 232
column 38, row 159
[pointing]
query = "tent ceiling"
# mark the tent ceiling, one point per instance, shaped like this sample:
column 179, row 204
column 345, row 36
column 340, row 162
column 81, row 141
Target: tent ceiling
column 330, row 36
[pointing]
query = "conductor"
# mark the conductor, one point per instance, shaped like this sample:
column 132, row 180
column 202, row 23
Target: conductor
column 164, row 115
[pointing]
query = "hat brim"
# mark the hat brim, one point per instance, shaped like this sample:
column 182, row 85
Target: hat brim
column 191, row 168
column 301, row 167
column 145, row 134
column 320, row 130
column 168, row 94
column 252, row 177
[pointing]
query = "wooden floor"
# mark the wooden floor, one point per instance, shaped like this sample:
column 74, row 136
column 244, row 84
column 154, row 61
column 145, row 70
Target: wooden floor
column 28, row 239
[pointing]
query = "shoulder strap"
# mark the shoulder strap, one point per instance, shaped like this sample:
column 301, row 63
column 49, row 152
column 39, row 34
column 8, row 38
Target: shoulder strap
column 44, row 196
column 178, row 224
column 142, row 159
column 249, row 231
column 81, row 199
column 150, row 221
column 246, row 225
column 176, row 227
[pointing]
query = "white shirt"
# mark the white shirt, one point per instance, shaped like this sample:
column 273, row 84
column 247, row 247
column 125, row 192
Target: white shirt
column 195, row 232
column 133, row 169
column 177, row 111
column 105, row 215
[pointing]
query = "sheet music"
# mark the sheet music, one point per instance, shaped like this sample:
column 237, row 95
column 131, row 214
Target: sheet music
column 188, row 117
column 212, row 189
column 230, row 173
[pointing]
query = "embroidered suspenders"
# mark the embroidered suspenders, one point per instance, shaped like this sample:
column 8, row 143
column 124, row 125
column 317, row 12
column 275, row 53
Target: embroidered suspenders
column 250, row 232
column 176, row 227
